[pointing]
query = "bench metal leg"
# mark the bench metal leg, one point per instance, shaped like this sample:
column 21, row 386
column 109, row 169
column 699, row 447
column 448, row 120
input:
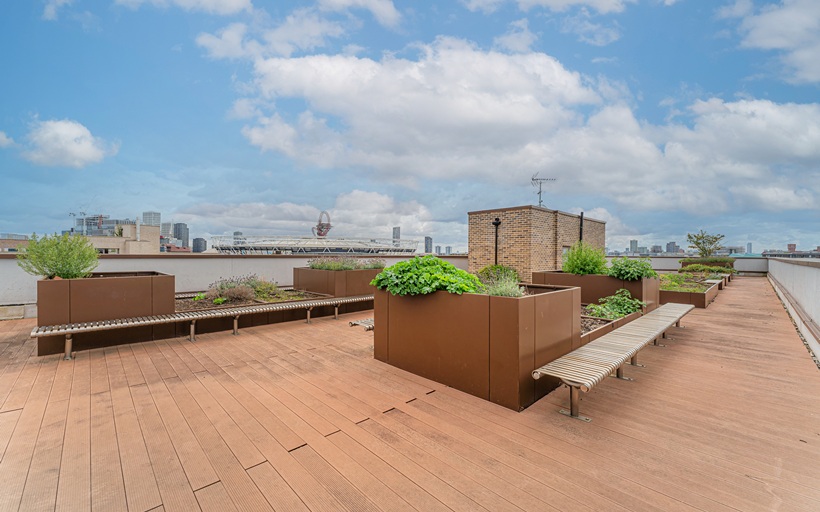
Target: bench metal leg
column 634, row 361
column 192, row 337
column 308, row 314
column 619, row 373
column 574, row 398
column 336, row 312
column 236, row 325
column 68, row 344
column 657, row 342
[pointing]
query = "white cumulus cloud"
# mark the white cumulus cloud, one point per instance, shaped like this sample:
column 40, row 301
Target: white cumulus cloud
column 5, row 140
column 384, row 11
column 50, row 11
column 221, row 7
column 518, row 38
column 65, row 143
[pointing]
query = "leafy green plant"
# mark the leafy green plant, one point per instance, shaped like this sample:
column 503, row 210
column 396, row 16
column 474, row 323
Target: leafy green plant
column 244, row 287
column 704, row 243
column 630, row 269
column 64, row 256
column 616, row 306
column 682, row 282
column 723, row 261
column 220, row 300
column 582, row 259
column 494, row 272
column 707, row 269
column 426, row 274
column 199, row 296
column 345, row 263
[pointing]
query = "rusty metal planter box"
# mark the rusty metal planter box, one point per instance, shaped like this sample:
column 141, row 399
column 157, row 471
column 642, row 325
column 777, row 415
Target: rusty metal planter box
column 482, row 345
column 594, row 287
column 104, row 296
column 337, row 283
column 697, row 299
column 597, row 332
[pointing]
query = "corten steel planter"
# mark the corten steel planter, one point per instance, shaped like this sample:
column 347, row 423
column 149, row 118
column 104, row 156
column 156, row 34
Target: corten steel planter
column 697, row 299
column 104, row 296
column 337, row 283
column 594, row 287
column 482, row 345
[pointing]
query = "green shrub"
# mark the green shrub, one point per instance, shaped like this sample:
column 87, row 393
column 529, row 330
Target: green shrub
column 495, row 272
column 344, row 263
column 426, row 274
column 682, row 282
column 239, row 293
column 616, row 306
column 630, row 269
column 220, row 300
column 707, row 269
column 199, row 296
column 64, row 256
column 712, row 260
column 245, row 287
column 583, row 259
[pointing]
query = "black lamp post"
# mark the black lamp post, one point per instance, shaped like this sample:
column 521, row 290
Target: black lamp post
column 496, row 223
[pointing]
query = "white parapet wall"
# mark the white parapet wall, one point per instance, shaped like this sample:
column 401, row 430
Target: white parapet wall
column 742, row 264
column 797, row 283
column 192, row 272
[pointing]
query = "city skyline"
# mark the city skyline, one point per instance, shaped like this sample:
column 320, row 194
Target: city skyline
column 660, row 117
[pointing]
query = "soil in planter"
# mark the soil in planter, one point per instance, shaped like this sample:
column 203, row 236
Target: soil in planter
column 189, row 304
column 590, row 324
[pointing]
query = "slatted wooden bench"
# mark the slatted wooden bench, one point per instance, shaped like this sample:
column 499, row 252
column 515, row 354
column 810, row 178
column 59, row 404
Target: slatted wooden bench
column 192, row 316
column 367, row 323
column 585, row 367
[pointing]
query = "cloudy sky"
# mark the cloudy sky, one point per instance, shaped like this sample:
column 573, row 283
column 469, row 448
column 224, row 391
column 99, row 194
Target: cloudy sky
column 661, row 117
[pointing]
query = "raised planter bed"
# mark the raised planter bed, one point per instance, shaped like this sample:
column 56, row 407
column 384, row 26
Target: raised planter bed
column 607, row 326
column 337, row 283
column 697, row 299
column 104, row 296
column 483, row 345
column 594, row 287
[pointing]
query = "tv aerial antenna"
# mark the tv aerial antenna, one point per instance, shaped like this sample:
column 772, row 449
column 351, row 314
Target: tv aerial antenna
column 539, row 182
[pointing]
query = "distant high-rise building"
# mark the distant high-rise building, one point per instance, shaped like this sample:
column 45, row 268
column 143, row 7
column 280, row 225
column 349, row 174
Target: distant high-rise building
column 633, row 246
column 428, row 244
column 200, row 245
column 656, row 249
column 438, row 249
column 397, row 233
column 749, row 248
column 166, row 229
column 792, row 247
column 151, row 218
column 672, row 247
column 448, row 250
column 642, row 250
column 181, row 232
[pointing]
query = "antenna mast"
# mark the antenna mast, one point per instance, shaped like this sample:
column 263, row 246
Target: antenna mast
column 538, row 182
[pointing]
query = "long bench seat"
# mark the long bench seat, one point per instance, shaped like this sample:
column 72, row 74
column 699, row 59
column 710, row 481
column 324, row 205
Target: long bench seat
column 192, row 316
column 585, row 367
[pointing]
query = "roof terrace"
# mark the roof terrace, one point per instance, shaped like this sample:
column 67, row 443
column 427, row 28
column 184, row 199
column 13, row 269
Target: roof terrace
column 293, row 416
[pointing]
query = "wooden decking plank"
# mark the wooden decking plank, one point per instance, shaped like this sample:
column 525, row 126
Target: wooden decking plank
column 195, row 463
column 242, row 447
column 8, row 420
column 174, row 358
column 40, row 492
column 163, row 367
column 99, row 371
column 275, row 489
column 415, row 495
column 174, row 488
column 107, row 486
column 353, row 499
column 475, row 490
column 378, row 372
column 514, row 491
column 20, row 449
column 214, row 498
column 341, row 401
column 175, row 345
column 14, row 396
column 61, row 390
column 130, row 366
column 582, row 474
column 74, row 487
column 141, row 490
column 195, row 402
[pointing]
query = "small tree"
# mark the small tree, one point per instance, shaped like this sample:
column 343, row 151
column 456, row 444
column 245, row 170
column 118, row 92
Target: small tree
column 582, row 259
column 68, row 257
column 704, row 243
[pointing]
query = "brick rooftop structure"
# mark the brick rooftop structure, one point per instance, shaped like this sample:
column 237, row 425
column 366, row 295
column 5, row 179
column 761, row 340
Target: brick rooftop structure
column 530, row 238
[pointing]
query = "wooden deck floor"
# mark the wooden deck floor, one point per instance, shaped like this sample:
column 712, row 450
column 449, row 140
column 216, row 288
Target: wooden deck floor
column 300, row 417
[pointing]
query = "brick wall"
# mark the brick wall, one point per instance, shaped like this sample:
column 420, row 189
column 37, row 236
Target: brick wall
column 529, row 238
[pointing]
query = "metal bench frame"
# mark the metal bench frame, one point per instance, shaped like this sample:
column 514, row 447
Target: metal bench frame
column 191, row 316
column 585, row 367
